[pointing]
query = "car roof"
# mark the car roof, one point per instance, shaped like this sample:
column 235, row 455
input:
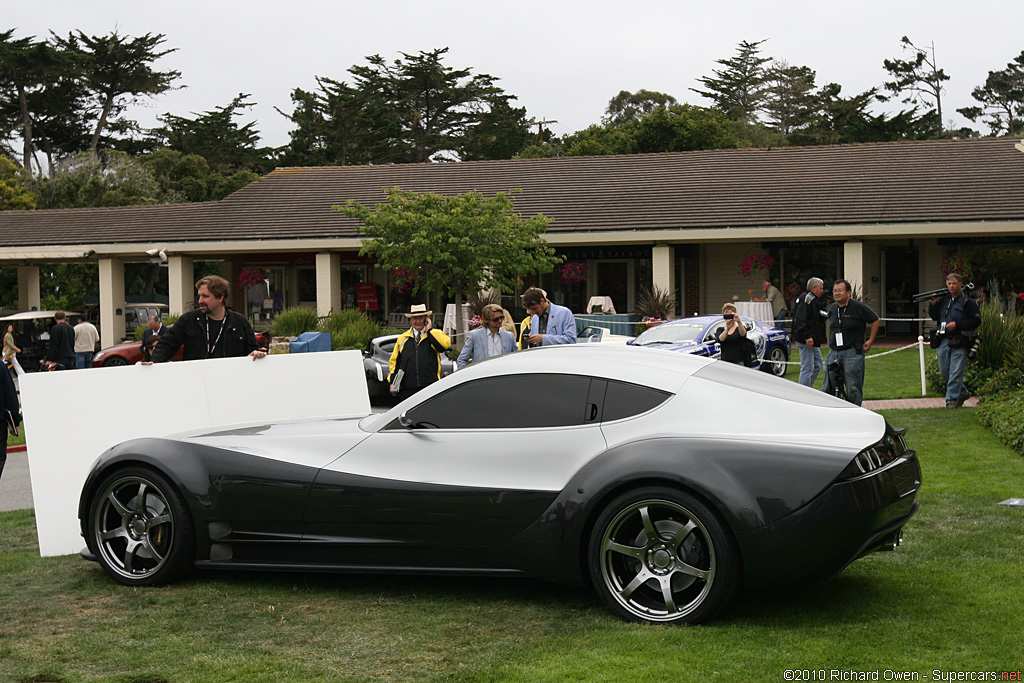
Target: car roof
column 35, row 315
column 654, row 368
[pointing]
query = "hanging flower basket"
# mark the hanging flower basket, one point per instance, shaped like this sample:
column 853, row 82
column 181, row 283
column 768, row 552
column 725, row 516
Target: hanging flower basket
column 402, row 280
column 756, row 265
column 574, row 271
column 252, row 276
column 957, row 263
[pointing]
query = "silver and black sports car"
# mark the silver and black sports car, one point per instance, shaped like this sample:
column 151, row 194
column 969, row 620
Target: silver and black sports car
column 662, row 479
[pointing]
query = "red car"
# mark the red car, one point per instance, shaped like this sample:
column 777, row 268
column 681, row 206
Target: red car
column 130, row 353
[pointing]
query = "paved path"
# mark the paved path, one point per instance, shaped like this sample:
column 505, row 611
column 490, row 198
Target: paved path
column 15, row 486
column 901, row 403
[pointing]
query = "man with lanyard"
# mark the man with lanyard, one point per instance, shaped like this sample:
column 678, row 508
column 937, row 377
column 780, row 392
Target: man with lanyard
column 956, row 313
column 211, row 331
column 809, row 330
column 848, row 319
column 416, row 359
column 549, row 323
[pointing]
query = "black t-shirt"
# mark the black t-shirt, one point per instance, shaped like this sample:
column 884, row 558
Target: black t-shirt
column 214, row 337
column 851, row 320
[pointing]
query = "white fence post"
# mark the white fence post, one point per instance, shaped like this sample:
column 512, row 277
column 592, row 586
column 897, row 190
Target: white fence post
column 920, row 348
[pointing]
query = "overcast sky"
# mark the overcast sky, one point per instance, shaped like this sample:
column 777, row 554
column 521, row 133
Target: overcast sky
column 563, row 60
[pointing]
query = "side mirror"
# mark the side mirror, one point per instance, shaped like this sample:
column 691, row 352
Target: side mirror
column 404, row 420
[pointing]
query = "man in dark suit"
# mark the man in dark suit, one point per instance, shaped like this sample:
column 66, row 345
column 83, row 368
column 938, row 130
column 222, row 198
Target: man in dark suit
column 151, row 336
column 61, row 349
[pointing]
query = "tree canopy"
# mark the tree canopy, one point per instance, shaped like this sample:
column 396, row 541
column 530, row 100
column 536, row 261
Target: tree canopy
column 1001, row 98
column 453, row 245
column 411, row 109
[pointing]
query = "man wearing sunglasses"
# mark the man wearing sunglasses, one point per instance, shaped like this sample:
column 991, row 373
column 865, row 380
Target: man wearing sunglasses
column 489, row 339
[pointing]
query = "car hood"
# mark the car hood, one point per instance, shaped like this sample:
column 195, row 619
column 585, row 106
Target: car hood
column 313, row 443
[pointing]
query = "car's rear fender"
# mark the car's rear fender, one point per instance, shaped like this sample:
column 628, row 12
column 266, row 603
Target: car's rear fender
column 748, row 484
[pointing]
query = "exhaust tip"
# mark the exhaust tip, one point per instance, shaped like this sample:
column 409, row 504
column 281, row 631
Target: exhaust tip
column 892, row 541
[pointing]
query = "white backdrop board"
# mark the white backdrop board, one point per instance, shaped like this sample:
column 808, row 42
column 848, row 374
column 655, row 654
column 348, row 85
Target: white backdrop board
column 72, row 417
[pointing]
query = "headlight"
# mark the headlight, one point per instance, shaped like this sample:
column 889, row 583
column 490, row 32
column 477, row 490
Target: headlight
column 891, row 447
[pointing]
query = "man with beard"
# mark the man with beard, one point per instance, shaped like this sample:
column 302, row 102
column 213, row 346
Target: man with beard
column 211, row 331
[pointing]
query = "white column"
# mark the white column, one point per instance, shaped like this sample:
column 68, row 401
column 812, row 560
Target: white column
column 853, row 264
column 28, row 288
column 111, row 301
column 663, row 267
column 328, row 283
column 180, row 286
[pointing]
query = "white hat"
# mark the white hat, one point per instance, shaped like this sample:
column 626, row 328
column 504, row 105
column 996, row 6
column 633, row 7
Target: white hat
column 417, row 310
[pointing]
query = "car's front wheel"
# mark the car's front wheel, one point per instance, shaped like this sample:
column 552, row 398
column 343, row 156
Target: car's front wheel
column 659, row 555
column 777, row 365
column 139, row 528
column 114, row 362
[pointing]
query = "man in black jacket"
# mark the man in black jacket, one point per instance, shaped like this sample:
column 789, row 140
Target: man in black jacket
column 956, row 313
column 61, row 349
column 211, row 331
column 8, row 404
column 809, row 330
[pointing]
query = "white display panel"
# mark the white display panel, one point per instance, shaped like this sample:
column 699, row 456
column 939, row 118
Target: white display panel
column 71, row 417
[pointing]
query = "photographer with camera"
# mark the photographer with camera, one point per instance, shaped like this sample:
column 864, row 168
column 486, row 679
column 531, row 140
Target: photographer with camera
column 733, row 336
column 959, row 318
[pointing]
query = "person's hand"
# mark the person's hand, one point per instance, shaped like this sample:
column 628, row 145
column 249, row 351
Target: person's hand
column 810, row 342
column 867, row 345
column 427, row 324
column 145, row 362
column 933, row 299
column 258, row 353
column 535, row 339
column 950, row 326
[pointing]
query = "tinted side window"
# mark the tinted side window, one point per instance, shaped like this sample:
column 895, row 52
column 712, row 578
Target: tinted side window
column 626, row 400
column 510, row 402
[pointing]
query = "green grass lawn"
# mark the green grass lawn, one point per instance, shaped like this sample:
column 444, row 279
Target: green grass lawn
column 890, row 376
column 949, row 599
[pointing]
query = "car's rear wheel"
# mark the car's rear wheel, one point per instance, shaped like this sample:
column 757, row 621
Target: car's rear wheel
column 114, row 362
column 778, row 359
column 659, row 555
column 139, row 528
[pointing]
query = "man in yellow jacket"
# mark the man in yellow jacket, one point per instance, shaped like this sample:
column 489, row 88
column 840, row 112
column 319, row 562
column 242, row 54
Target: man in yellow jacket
column 416, row 360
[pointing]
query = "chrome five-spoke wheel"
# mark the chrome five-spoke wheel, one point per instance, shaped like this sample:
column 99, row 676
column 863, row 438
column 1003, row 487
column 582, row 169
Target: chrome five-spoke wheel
column 139, row 530
column 778, row 359
column 658, row 555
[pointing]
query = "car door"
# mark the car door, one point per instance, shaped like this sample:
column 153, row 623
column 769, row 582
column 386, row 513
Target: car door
column 470, row 468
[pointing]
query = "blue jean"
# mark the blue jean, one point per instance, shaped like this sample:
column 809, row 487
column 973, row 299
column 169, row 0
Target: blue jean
column 810, row 363
column 853, row 370
column 952, row 364
column 83, row 359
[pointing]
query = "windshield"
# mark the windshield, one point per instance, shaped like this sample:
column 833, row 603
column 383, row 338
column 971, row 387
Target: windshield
column 670, row 334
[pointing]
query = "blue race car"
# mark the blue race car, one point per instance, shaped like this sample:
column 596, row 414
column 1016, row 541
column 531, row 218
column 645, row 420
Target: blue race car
column 698, row 335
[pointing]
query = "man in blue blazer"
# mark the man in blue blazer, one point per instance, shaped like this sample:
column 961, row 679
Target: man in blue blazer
column 549, row 323
column 488, row 339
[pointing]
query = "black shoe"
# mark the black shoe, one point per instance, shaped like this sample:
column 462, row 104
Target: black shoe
column 952, row 404
column 960, row 401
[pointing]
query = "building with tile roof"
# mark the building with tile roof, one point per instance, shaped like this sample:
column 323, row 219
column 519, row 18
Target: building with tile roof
column 882, row 215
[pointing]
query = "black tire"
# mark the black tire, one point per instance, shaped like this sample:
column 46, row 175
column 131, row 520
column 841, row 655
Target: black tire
column 114, row 362
column 658, row 555
column 139, row 528
column 778, row 366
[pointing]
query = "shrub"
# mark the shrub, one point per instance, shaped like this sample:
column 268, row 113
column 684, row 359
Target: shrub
column 1001, row 413
column 1000, row 335
column 338, row 321
column 356, row 334
column 292, row 322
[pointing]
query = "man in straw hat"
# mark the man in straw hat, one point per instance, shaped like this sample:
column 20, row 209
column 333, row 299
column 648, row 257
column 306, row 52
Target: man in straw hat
column 416, row 360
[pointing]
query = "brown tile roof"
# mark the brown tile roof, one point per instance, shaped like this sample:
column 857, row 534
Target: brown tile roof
column 911, row 182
